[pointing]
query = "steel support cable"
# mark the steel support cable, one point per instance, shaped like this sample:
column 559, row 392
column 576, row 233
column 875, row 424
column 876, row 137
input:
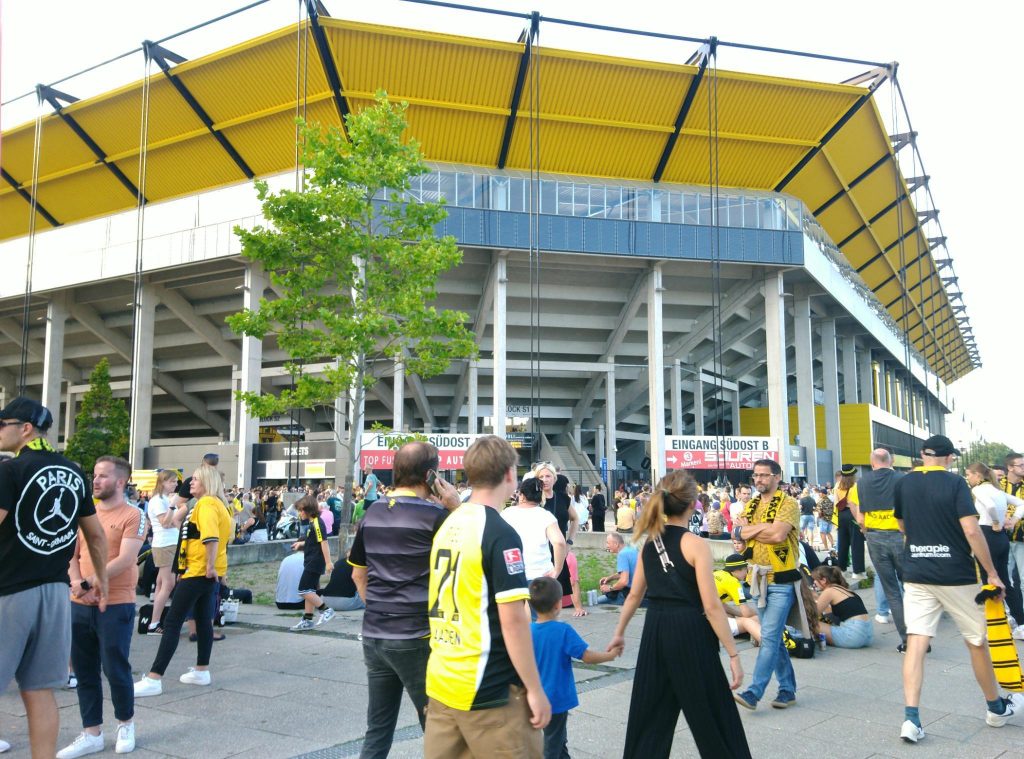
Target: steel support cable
column 533, row 39
column 26, row 306
column 140, row 233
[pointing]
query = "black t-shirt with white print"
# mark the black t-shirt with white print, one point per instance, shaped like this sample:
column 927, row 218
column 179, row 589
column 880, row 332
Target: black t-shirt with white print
column 931, row 501
column 44, row 495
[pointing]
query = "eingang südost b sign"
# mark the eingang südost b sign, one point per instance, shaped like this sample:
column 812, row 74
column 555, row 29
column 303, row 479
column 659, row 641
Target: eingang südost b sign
column 451, row 447
column 711, row 452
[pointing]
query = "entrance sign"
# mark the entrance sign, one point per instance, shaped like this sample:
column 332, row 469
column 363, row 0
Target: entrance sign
column 451, row 447
column 711, row 452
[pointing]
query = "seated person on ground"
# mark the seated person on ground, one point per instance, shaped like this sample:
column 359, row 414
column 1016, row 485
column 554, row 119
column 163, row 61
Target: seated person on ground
column 288, row 574
column 850, row 627
column 734, row 592
column 340, row 593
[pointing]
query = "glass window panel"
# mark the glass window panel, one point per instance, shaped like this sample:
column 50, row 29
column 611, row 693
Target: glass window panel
column 482, row 191
column 613, row 200
column 659, row 205
column 517, row 198
column 428, row 187
column 447, row 188
column 689, row 204
column 564, row 199
column 597, row 201
column 548, row 197
column 499, row 191
column 750, row 213
column 581, row 200
column 768, row 214
column 704, row 210
column 464, row 187
column 628, row 203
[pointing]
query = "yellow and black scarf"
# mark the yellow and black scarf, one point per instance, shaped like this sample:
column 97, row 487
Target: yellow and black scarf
column 1015, row 490
column 782, row 560
column 38, row 444
column 1001, row 646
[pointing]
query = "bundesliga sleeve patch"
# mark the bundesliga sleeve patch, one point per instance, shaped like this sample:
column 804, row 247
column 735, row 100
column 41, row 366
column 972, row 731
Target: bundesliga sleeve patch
column 514, row 561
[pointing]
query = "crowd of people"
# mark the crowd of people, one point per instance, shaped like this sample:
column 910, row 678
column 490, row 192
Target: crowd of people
column 447, row 573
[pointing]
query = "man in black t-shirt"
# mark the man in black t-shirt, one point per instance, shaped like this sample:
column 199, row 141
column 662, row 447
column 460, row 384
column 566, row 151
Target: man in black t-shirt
column 44, row 500
column 934, row 509
column 390, row 561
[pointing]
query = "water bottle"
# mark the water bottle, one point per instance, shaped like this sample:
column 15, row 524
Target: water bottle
column 822, row 644
column 591, row 598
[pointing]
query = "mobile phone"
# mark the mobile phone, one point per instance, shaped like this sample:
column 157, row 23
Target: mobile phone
column 432, row 483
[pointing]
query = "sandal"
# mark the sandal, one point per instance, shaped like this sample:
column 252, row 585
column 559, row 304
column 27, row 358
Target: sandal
column 216, row 637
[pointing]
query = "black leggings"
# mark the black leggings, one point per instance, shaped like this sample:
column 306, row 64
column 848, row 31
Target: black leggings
column 192, row 594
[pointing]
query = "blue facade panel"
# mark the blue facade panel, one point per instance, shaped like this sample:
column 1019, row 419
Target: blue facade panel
column 570, row 234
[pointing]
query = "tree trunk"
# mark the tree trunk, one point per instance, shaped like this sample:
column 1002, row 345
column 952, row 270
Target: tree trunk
column 355, row 431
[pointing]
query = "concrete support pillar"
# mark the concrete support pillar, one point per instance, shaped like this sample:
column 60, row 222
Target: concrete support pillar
column 611, row 442
column 736, row 412
column 850, row 393
column 830, row 382
column 883, row 386
column 53, row 359
column 676, row 397
column 775, row 356
column 866, row 393
column 577, row 436
column 499, row 404
column 656, row 372
column 70, row 412
column 472, row 394
column 399, row 397
column 142, row 377
column 251, row 380
column 599, row 447
column 805, row 383
column 698, row 404
column 236, row 407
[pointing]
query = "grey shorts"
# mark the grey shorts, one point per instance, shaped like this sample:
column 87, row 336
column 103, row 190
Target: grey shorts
column 35, row 627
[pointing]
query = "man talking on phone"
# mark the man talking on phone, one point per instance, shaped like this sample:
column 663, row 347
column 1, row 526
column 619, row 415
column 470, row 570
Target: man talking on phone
column 390, row 561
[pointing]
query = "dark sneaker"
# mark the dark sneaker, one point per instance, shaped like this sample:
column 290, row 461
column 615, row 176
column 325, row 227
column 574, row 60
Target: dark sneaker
column 784, row 700
column 745, row 700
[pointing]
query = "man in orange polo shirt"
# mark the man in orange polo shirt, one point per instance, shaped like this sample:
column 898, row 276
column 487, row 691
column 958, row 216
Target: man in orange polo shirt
column 103, row 638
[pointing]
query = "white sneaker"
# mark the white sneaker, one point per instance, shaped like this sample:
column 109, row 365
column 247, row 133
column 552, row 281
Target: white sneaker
column 147, row 686
column 303, row 624
column 1018, row 632
column 1010, row 620
column 196, row 677
column 83, row 744
column 910, row 732
column 72, row 682
column 858, row 576
column 1012, row 706
column 4, row 746
column 883, row 619
column 325, row 616
column 125, row 739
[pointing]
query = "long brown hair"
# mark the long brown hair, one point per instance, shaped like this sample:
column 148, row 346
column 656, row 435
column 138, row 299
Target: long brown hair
column 831, row 575
column 673, row 496
column 846, row 481
column 984, row 472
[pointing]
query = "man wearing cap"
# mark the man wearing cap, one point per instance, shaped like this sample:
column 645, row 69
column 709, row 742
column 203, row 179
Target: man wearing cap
column 871, row 501
column 44, row 501
column 934, row 509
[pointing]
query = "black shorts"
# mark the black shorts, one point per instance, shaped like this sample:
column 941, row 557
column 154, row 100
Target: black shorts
column 309, row 582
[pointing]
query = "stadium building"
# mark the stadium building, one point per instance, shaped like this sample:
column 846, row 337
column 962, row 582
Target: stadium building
column 661, row 260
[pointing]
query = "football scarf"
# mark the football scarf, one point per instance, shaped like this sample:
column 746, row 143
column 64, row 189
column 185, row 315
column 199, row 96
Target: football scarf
column 1008, row 487
column 1001, row 646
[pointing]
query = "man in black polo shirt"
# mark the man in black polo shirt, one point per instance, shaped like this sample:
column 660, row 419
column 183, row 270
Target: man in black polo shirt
column 934, row 509
column 44, row 500
column 390, row 560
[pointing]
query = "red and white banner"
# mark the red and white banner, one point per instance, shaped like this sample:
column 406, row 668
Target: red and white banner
column 377, row 451
column 709, row 452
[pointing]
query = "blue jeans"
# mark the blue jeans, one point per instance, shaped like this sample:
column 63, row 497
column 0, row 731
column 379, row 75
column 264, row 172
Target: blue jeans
column 853, row 633
column 886, row 550
column 881, row 602
column 103, row 639
column 772, row 656
column 391, row 666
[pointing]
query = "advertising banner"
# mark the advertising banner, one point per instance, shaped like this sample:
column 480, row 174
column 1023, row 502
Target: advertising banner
column 710, row 452
column 451, row 447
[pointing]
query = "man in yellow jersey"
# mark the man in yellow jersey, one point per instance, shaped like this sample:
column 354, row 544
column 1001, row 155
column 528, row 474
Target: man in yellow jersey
column 872, row 500
column 484, row 690
column 770, row 524
column 1012, row 483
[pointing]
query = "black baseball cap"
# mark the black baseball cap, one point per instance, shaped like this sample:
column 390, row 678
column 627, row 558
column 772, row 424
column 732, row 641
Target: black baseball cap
column 27, row 410
column 939, row 445
column 735, row 561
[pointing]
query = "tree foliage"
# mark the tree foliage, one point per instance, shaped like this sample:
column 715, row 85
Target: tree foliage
column 101, row 427
column 986, row 453
column 355, row 263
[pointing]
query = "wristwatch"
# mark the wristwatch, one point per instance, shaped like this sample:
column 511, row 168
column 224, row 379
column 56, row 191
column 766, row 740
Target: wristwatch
column 85, row 585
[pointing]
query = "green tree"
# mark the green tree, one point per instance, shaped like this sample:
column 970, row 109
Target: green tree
column 355, row 276
column 101, row 427
column 985, row 452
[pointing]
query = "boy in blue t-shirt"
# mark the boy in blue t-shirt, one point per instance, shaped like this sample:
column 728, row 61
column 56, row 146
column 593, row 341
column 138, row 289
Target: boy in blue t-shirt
column 556, row 644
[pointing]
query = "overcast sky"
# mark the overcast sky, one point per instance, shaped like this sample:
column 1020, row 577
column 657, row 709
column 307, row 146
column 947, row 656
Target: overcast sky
column 956, row 70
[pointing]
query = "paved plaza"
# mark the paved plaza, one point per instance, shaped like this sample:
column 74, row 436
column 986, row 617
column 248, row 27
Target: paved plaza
column 282, row 694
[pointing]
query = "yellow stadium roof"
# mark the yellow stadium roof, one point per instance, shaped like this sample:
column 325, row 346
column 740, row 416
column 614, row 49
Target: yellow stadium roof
column 223, row 118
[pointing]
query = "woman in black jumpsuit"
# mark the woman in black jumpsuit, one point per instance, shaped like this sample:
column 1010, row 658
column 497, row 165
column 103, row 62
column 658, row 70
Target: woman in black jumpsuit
column 678, row 667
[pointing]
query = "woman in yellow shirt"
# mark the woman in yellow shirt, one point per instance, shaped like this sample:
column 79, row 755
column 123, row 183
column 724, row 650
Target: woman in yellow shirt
column 202, row 559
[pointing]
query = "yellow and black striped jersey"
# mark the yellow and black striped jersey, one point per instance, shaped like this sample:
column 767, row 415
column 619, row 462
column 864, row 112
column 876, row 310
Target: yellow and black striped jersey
column 476, row 563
